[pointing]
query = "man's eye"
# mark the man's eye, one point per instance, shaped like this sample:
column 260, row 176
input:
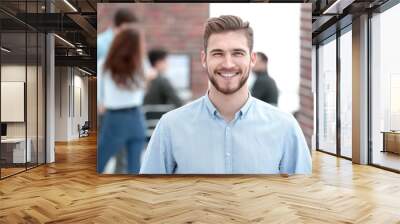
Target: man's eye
column 238, row 53
column 217, row 54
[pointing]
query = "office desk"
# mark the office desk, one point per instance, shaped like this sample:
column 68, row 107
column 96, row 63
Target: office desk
column 391, row 141
column 13, row 150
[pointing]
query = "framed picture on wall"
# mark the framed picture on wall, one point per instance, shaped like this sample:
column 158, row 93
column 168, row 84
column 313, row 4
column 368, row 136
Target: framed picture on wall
column 12, row 101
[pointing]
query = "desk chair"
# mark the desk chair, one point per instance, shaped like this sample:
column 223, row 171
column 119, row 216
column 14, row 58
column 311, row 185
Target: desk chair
column 153, row 114
column 84, row 130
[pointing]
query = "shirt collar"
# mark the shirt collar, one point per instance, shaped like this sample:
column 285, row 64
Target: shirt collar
column 210, row 106
column 246, row 107
column 243, row 111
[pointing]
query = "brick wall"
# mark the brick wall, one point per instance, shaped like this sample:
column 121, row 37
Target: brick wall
column 92, row 107
column 306, row 112
column 176, row 27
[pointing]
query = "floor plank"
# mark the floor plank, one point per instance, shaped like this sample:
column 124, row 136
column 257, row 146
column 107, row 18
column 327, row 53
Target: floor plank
column 70, row 191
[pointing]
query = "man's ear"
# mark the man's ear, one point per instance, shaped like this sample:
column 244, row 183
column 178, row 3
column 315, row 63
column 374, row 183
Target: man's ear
column 203, row 59
column 253, row 58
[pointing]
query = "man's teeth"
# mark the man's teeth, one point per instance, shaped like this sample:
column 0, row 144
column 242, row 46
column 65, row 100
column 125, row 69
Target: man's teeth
column 228, row 74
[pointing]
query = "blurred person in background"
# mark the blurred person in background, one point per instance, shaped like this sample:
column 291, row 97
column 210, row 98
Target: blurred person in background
column 227, row 131
column 264, row 87
column 123, row 17
column 160, row 90
column 121, row 84
column 104, row 40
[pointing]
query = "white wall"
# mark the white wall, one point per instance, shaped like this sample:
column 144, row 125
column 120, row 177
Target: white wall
column 61, row 103
column 79, row 117
column 70, row 83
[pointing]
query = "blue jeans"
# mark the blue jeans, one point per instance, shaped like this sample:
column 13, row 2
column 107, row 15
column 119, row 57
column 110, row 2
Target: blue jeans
column 121, row 129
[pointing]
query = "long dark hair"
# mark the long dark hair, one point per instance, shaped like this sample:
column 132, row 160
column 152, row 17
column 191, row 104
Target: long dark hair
column 124, row 59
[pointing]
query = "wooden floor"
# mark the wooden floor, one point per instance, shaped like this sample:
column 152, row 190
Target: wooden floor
column 70, row 191
column 5, row 172
column 388, row 159
column 10, row 171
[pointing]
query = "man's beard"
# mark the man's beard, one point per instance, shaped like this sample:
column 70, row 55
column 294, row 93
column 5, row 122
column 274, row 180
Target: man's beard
column 243, row 80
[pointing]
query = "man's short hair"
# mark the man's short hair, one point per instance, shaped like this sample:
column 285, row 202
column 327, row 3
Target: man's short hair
column 156, row 55
column 262, row 56
column 124, row 16
column 227, row 23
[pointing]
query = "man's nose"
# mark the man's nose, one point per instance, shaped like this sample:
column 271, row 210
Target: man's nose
column 228, row 63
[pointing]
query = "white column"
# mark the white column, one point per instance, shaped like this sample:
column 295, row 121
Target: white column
column 360, row 90
column 50, row 93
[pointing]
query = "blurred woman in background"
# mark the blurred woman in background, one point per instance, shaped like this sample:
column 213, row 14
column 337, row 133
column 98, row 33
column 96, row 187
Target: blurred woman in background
column 121, row 84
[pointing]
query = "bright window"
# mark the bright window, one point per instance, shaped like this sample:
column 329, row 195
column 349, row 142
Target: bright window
column 327, row 97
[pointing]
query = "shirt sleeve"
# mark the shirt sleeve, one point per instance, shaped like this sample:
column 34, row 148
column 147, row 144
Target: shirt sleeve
column 158, row 158
column 296, row 157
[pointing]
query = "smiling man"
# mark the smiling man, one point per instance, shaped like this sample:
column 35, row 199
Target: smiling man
column 227, row 131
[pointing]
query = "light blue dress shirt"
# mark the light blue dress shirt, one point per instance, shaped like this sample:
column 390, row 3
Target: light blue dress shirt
column 195, row 139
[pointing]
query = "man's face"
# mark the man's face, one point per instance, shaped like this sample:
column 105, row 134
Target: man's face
column 161, row 65
column 228, row 61
column 260, row 66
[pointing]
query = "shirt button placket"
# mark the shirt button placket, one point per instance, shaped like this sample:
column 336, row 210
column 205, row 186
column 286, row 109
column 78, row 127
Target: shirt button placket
column 228, row 149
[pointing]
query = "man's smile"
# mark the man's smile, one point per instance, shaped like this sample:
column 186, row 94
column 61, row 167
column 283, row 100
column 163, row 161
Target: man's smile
column 228, row 75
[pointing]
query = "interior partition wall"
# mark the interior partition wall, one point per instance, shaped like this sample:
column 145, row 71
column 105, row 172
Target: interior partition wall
column 23, row 88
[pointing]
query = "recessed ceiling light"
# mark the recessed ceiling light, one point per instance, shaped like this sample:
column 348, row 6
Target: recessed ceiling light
column 337, row 7
column 70, row 5
column 84, row 71
column 5, row 49
column 64, row 40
